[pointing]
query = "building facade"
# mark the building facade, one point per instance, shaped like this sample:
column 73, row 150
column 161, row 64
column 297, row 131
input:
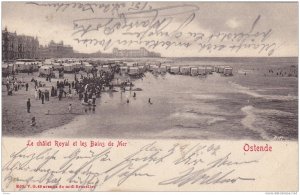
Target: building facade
column 133, row 53
column 56, row 50
column 18, row 46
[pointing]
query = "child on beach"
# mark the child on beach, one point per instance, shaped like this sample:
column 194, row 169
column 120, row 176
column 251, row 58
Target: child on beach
column 33, row 123
column 70, row 108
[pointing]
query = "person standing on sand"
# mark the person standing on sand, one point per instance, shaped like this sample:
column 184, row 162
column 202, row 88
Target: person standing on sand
column 26, row 85
column 28, row 105
column 33, row 123
column 94, row 98
column 43, row 98
column 36, row 94
column 70, row 108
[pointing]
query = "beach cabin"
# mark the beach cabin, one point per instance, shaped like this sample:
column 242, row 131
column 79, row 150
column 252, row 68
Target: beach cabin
column 105, row 68
column 194, row 71
column 153, row 67
column 221, row 69
column 133, row 71
column 78, row 66
column 209, row 69
column 5, row 70
column 141, row 63
column 39, row 64
column 156, row 69
column 216, row 68
column 68, row 68
column 124, row 69
column 20, row 66
column 142, row 68
column 174, row 70
column 168, row 67
column 56, row 65
column 46, row 71
column 201, row 70
column 88, row 67
column 163, row 69
column 185, row 70
column 228, row 71
column 36, row 66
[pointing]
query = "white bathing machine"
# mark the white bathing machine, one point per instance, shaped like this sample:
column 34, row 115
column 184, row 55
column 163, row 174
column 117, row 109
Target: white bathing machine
column 153, row 67
column 168, row 67
column 221, row 69
column 56, row 65
column 194, row 71
column 228, row 71
column 133, row 71
column 21, row 66
column 69, row 68
column 202, row 70
column 124, row 69
column 174, row 70
column 105, row 68
column 209, row 69
column 185, row 70
column 88, row 67
column 46, row 70
column 142, row 68
column 163, row 69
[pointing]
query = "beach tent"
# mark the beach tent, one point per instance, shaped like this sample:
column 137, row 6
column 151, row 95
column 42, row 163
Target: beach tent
column 174, row 70
column 201, row 70
column 184, row 70
column 194, row 71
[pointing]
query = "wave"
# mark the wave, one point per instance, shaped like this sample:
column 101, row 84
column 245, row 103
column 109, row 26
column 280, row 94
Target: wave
column 246, row 90
column 197, row 118
column 249, row 120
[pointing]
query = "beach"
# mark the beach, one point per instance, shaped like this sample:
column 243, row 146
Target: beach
column 257, row 105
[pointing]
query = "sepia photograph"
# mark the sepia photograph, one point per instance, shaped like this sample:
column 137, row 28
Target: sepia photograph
column 144, row 75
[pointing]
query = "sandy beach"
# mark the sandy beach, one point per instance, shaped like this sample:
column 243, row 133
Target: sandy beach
column 257, row 105
column 15, row 119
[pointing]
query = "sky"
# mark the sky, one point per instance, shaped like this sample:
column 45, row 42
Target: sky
column 49, row 22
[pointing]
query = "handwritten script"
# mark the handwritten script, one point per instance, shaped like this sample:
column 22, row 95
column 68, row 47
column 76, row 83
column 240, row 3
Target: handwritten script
column 160, row 26
column 83, row 169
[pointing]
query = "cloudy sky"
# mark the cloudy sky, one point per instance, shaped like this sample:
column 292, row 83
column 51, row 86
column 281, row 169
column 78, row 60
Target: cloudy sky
column 52, row 21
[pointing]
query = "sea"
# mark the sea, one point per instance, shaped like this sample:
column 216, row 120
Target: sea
column 259, row 102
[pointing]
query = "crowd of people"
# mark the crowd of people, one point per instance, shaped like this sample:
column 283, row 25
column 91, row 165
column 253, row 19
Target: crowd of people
column 87, row 88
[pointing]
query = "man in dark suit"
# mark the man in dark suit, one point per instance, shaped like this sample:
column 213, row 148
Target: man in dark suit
column 28, row 105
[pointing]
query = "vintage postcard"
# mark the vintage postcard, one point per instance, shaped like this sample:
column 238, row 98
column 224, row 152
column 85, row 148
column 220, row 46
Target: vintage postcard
column 149, row 96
